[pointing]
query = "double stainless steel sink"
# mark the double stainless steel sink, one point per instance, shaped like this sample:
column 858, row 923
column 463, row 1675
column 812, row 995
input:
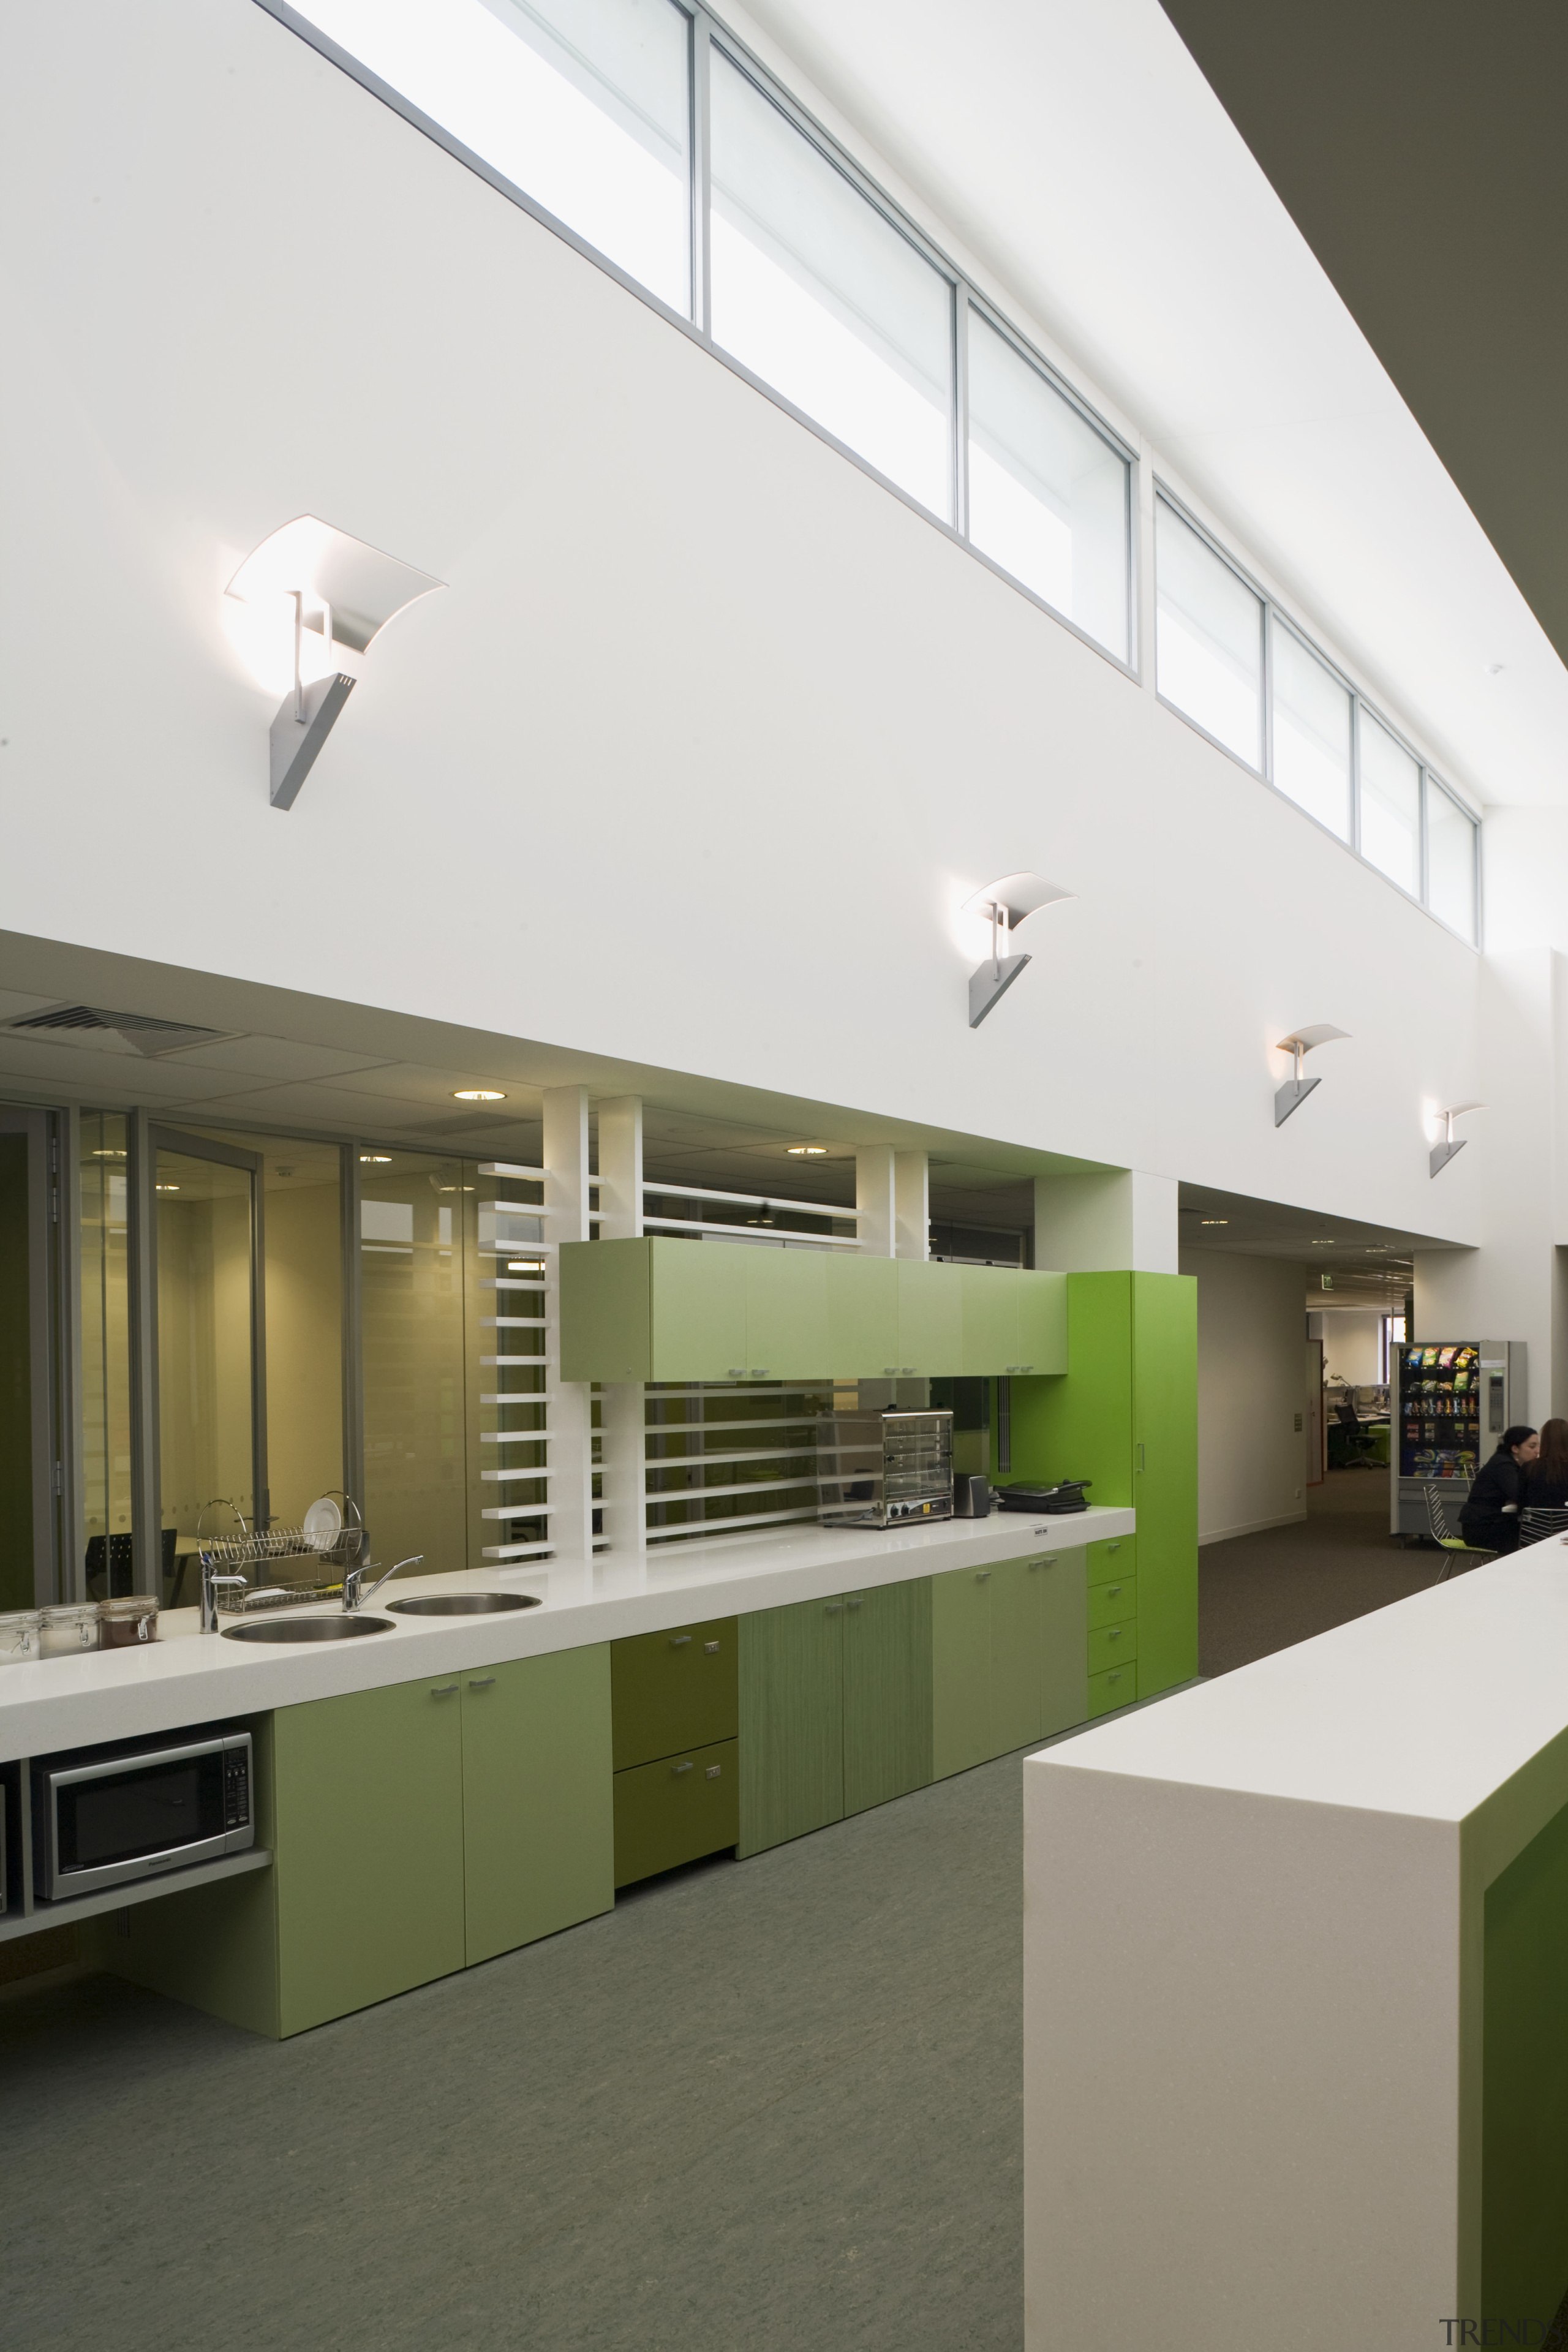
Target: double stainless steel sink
column 347, row 1625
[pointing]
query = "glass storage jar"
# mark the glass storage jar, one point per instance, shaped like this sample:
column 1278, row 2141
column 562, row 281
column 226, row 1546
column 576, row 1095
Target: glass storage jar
column 69, row 1629
column 129, row 1618
column 18, row 1635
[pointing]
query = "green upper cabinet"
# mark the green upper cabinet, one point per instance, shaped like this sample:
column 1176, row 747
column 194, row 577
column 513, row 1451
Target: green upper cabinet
column 661, row 1309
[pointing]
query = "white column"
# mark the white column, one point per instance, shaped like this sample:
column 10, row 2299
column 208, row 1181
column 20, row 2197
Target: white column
column 1113, row 1219
column 565, row 1157
column 911, row 1204
column 622, row 1412
column 874, row 1198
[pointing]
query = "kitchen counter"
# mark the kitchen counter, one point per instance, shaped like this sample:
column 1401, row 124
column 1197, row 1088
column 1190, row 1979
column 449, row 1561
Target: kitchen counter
column 1295, row 2056
column 188, row 1678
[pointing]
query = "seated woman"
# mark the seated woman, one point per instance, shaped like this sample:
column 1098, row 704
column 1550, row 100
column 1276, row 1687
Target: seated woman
column 1489, row 1518
column 1545, row 1480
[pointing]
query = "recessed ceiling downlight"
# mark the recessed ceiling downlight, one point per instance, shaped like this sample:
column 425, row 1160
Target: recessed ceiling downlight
column 806, row 1150
column 477, row 1094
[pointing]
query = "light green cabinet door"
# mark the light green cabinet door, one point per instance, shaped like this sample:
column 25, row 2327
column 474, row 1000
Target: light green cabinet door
column 368, row 1867
column 1017, row 1654
column 699, row 1309
column 887, row 1693
column 1063, row 1639
column 792, row 1722
column 606, row 1306
column 538, row 1798
column 1042, row 1341
column 930, row 1318
column 960, row 1670
column 989, row 1296
column 862, row 1315
column 786, row 1313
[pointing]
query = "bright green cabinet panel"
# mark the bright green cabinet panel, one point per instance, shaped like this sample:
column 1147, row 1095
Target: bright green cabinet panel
column 989, row 1296
column 792, row 1721
column 673, row 1690
column 368, row 1866
column 698, row 1307
column 1165, row 1477
column 1113, row 1603
column 1064, row 1633
column 960, row 1670
column 930, row 1316
column 887, row 1693
column 786, row 1313
column 862, row 1315
column 1112, row 1556
column 677, row 1809
column 1525, row 2041
column 1018, row 1656
column 606, row 1310
column 1082, row 1427
column 1042, row 1322
column 538, row 1832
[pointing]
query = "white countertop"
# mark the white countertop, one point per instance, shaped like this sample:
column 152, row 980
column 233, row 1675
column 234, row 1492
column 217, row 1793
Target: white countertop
column 1427, row 1707
column 190, row 1677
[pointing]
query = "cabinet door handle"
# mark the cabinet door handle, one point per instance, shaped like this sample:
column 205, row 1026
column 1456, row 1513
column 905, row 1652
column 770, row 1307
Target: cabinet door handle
column 852, row 1604
column 737, row 1372
column 906, row 1368
column 481, row 1682
column 982, row 1576
column 1142, row 1465
column 759, row 1371
column 891, row 1370
column 679, row 1640
column 444, row 1690
column 711, row 1648
column 833, row 1608
column 678, row 1769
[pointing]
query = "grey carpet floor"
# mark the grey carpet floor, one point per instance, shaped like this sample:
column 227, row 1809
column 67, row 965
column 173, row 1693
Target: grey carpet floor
column 759, row 2105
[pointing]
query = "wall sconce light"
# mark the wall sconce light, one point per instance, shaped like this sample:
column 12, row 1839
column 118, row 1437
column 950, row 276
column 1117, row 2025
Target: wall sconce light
column 1444, row 1150
column 1295, row 1090
column 345, row 590
column 1008, row 903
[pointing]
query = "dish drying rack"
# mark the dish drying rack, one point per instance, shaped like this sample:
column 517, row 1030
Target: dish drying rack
column 321, row 1558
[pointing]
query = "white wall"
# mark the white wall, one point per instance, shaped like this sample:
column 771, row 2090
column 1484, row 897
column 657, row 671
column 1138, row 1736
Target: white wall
column 1351, row 1345
column 707, row 735
column 1252, row 1457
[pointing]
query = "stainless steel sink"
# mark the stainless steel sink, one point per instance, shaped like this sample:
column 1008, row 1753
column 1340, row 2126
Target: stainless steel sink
column 343, row 1627
column 462, row 1604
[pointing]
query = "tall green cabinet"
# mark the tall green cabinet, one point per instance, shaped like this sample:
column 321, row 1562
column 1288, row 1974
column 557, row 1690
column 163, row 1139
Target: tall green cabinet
column 1126, row 1417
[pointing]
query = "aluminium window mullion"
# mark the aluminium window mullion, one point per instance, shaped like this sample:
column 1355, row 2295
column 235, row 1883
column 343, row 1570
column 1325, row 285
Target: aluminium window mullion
column 961, row 300
column 1355, row 773
column 1266, row 682
column 701, row 178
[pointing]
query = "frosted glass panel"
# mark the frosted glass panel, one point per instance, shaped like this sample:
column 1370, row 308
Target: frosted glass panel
column 206, row 1433
column 105, row 1347
column 1209, row 638
column 1048, row 497
column 820, row 296
column 1312, row 732
column 1390, row 806
column 582, row 104
column 1450, row 863
column 411, row 1290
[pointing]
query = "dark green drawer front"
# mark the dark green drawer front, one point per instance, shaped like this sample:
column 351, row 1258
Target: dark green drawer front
column 1112, row 1557
column 672, row 1690
column 1111, row 1605
column 1112, row 1645
column 676, row 1811
column 1116, row 1687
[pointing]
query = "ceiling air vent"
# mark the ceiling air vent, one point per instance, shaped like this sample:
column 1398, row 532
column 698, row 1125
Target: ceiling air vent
column 142, row 1032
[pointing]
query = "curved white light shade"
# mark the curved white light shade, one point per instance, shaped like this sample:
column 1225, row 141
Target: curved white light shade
column 1302, row 1041
column 1447, row 1144
column 363, row 587
column 1018, row 895
column 1295, row 1090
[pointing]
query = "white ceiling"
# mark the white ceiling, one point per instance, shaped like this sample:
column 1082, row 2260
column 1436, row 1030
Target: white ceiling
column 1083, row 159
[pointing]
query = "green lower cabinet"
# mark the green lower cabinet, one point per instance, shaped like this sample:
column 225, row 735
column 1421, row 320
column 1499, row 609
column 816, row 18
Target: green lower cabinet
column 887, row 1693
column 1112, row 1645
column 537, row 1806
column 1112, row 1558
column 368, row 1847
column 792, row 1722
column 1008, row 1648
column 1017, row 1654
column 960, row 1670
column 676, row 1811
column 1116, row 1686
column 1063, row 1639
column 673, row 1690
column 1113, row 1603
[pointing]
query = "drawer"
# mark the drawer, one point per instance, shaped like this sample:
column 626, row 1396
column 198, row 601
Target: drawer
column 1112, row 1645
column 1116, row 1687
column 676, row 1811
column 1112, row 1605
column 672, row 1690
column 1112, row 1557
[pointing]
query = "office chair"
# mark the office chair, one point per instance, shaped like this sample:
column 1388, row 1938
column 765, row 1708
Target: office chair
column 1356, row 1446
column 1538, row 1521
column 1455, row 1548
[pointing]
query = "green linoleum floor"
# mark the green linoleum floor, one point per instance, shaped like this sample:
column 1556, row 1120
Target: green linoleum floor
column 760, row 2107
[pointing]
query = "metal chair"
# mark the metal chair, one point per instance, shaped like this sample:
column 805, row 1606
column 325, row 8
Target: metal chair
column 1539, row 1521
column 1453, row 1546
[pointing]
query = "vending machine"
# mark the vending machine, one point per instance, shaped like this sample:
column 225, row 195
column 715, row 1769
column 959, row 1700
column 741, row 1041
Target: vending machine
column 1449, row 1401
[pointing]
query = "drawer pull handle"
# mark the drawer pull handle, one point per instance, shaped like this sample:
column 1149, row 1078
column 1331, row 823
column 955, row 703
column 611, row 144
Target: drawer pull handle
column 982, row 1576
column 679, row 1640
column 678, row 1769
column 1112, row 1590
column 1112, row 1547
column 1114, row 1634
column 711, row 1649
column 481, row 1682
column 444, row 1690
column 1115, row 1677
column 833, row 1608
column 713, row 1771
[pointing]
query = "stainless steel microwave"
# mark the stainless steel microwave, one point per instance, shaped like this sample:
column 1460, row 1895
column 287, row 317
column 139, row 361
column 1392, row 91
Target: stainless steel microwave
column 108, row 1817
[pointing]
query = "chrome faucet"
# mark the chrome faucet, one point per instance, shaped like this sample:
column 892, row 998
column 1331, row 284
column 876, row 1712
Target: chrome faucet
column 212, row 1585
column 355, row 1597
